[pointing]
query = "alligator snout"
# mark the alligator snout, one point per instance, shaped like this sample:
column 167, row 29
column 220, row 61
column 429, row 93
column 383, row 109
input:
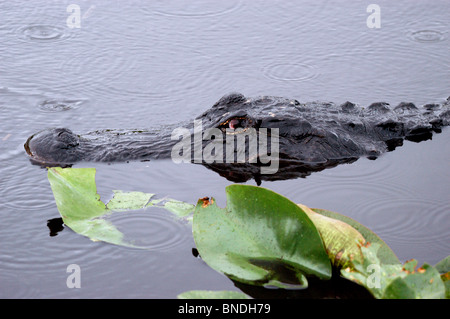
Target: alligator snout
column 56, row 145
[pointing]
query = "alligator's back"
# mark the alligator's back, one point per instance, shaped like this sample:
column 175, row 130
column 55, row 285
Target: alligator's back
column 319, row 132
column 381, row 121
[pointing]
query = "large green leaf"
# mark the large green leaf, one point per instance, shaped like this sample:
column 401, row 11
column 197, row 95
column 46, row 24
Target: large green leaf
column 384, row 253
column 260, row 237
column 82, row 210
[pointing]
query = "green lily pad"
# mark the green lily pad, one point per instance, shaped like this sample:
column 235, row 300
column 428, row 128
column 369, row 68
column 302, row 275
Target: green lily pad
column 82, row 210
column 260, row 238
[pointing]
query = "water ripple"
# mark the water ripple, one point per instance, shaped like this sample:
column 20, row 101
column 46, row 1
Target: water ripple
column 89, row 69
column 409, row 220
column 59, row 105
column 23, row 190
column 427, row 36
column 278, row 12
column 193, row 8
column 153, row 229
column 290, row 71
column 427, row 31
column 362, row 169
column 43, row 33
column 16, row 286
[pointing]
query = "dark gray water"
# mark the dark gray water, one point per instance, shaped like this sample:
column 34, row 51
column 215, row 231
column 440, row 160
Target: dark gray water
column 140, row 64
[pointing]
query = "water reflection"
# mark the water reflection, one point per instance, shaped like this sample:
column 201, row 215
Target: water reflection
column 55, row 225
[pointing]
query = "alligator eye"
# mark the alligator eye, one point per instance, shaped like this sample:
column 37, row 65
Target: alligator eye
column 239, row 124
column 233, row 124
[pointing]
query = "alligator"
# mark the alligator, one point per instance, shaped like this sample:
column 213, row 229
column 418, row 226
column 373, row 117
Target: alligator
column 311, row 136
